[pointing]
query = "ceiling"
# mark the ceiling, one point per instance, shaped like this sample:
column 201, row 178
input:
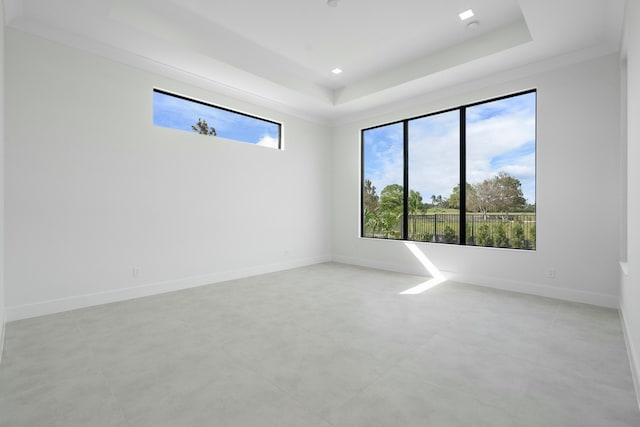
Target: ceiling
column 281, row 52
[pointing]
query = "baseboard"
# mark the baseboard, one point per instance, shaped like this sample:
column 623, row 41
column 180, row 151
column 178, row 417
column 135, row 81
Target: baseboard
column 634, row 362
column 555, row 292
column 418, row 271
column 88, row 300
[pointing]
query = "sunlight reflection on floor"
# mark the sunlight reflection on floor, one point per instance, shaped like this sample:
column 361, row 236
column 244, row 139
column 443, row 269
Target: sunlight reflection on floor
column 437, row 276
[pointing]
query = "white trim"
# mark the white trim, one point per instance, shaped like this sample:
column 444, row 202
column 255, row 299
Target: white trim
column 556, row 292
column 419, row 271
column 87, row 300
column 634, row 362
column 566, row 294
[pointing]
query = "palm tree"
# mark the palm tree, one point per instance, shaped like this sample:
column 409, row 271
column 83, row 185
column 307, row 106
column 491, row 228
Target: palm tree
column 415, row 205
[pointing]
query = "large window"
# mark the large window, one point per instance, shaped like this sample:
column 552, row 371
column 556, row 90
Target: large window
column 178, row 112
column 412, row 170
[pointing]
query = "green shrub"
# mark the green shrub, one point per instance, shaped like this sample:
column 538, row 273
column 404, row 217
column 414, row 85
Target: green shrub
column 449, row 234
column 517, row 235
column 483, row 237
column 533, row 236
column 500, row 238
column 469, row 234
column 424, row 237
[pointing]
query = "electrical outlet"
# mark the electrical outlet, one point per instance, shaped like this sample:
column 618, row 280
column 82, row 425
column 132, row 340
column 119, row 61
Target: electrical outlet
column 551, row 273
column 136, row 272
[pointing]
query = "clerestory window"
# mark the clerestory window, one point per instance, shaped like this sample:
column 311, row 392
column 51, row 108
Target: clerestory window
column 179, row 112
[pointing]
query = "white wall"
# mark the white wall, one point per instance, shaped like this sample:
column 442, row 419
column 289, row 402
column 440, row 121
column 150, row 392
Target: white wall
column 93, row 189
column 2, row 315
column 630, row 297
column 577, row 191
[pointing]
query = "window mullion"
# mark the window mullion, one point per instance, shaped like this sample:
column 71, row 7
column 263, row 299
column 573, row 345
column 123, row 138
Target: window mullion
column 405, row 211
column 462, row 240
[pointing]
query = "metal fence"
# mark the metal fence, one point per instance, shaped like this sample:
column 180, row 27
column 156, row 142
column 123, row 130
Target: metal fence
column 512, row 231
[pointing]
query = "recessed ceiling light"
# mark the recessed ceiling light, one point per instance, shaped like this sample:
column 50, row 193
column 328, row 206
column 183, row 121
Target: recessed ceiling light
column 336, row 71
column 466, row 14
column 473, row 25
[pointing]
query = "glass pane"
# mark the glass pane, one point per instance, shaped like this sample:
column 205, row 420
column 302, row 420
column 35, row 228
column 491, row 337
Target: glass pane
column 434, row 174
column 383, row 177
column 192, row 116
column 501, row 173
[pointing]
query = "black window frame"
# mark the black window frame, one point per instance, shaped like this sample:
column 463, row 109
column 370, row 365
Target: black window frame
column 462, row 161
column 218, row 107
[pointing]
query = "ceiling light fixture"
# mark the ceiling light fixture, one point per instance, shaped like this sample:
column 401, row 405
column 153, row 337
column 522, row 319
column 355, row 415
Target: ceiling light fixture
column 466, row 14
column 336, row 71
column 333, row 3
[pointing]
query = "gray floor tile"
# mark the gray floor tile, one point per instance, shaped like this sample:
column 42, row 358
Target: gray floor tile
column 489, row 376
column 402, row 398
column 316, row 371
column 562, row 399
column 80, row 401
column 327, row 345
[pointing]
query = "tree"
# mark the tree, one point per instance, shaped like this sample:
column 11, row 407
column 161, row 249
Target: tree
column 371, row 204
column 371, row 222
column 484, row 197
column 371, row 199
column 508, row 194
column 501, row 193
column 391, row 198
column 415, row 206
column 439, row 201
column 443, row 203
column 203, row 128
column 391, row 207
column 454, row 200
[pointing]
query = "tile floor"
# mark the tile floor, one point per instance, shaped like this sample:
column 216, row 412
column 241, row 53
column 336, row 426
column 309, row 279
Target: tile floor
column 325, row 345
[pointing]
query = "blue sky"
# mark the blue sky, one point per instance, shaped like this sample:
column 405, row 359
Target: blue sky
column 500, row 137
column 177, row 113
column 383, row 154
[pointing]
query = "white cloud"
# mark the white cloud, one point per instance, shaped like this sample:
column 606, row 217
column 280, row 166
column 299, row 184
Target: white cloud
column 433, row 156
column 268, row 141
column 498, row 135
column 499, row 143
column 434, row 162
column 388, row 168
